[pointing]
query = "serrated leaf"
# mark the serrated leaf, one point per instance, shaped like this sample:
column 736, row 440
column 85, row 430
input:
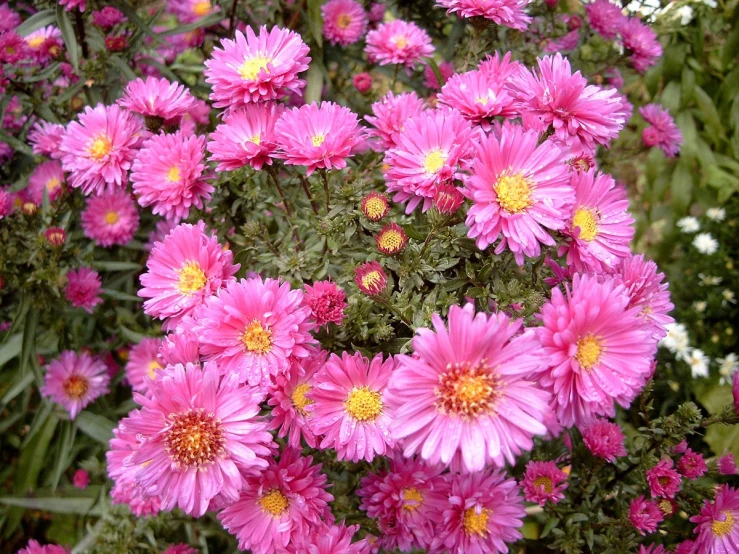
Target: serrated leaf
column 70, row 40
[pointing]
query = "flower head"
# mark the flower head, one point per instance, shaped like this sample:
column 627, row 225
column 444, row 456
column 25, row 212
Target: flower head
column 398, row 41
column 107, row 18
column 157, row 98
column 390, row 115
column 663, row 480
column 190, row 11
column 727, row 463
column 332, row 539
column 645, row 515
column 81, row 479
column 178, row 347
column 326, row 301
column 56, row 236
column 605, row 440
column 33, row 547
column 502, row 12
column 431, row 81
column 46, row 138
column 447, row 199
column 641, row 41
column 605, row 18
column 544, row 481
column 362, row 82
column 370, row 278
column 375, row 206
column 181, row 548
column 13, row 48
column 111, row 218
column 143, row 361
column 46, row 176
column 705, row 243
column 344, row 21
column 717, row 525
column 83, row 287
column 391, row 240
column 692, row 465
column 75, row 381
column 662, row 131
column 478, row 96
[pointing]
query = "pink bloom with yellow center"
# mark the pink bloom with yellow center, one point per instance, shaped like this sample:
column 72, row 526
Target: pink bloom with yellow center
column 645, row 515
column 717, row 525
column 502, row 12
column 190, row 11
column 544, row 482
column 478, row 97
column 83, row 288
column 47, row 176
column 663, row 480
column 332, row 539
column 246, row 137
column 75, row 381
column 46, row 138
column 44, row 43
column 143, row 361
column 157, row 98
column 13, row 48
column 110, row 218
column 370, row 278
column 344, row 21
column 398, row 42
column 390, row 115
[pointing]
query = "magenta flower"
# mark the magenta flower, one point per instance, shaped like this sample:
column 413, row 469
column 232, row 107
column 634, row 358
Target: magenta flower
column 46, row 138
column 157, row 98
column 33, row 547
column 107, row 18
column 735, row 391
column 662, row 131
column 143, row 362
column 46, row 176
column 75, row 381
column 159, row 233
column 502, row 12
column 645, row 515
column 190, row 11
column 279, row 505
column 81, row 479
column 70, row 5
column 663, row 480
column 431, row 81
column 362, row 82
column 692, row 465
column 83, row 288
column 641, row 41
column 653, row 549
column 605, row 440
column 98, row 150
column 518, row 189
column 344, row 21
column 13, row 48
column 727, row 463
column 43, row 44
column 478, row 97
column 110, row 219
column 605, row 17
column 326, row 301
column 717, row 526
column 332, row 539
column 544, row 482
column 318, row 136
column 686, row 547
column 460, row 397
column 181, row 548
column 398, row 42
column 256, row 68
column 390, row 115
column 447, row 199
column 350, row 406
column 370, row 278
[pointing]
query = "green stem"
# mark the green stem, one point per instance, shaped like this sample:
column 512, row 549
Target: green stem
column 273, row 174
column 306, row 188
column 324, row 177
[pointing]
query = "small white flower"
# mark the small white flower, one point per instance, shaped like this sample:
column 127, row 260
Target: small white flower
column 705, row 243
column 698, row 363
column 716, row 214
column 676, row 339
column 689, row 224
column 729, row 297
column 710, row 3
column 709, row 280
column 700, row 306
column 727, row 366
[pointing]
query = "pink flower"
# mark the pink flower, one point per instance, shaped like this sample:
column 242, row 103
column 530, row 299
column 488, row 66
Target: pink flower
column 663, row 132
column 717, row 526
column 375, row 206
column 190, row 11
column 160, row 232
column 344, row 21
column 33, row 547
column 81, row 479
column 432, row 149
column 75, row 381
column 460, row 397
column 110, row 219
column 183, row 270
column 157, row 98
column 331, row 539
column 70, row 5
column 279, row 505
column 484, row 511
column 503, row 12
column 686, row 547
column 46, row 138
column 13, row 48
column 663, row 480
column 326, row 301
column 107, row 18
column 318, row 136
column 641, row 41
column 98, row 150
column 362, row 82
column 370, row 278
column 579, row 114
column 178, row 347
column 447, row 199
column 350, row 407
column 727, row 464
column 692, row 465
column 9, row 18
column 44, row 44
column 645, row 515
column 406, row 501
column 246, row 137
column 398, row 41
column 253, row 327
column 391, row 114
column 255, row 68
column 46, row 176
column 544, row 481
column 83, row 287
column 478, row 97
column 653, row 549
column 599, row 353
column 181, row 548
column 168, row 175
column 198, row 432
column 605, row 18
column 568, row 41
column 431, row 81
column 518, row 189
column 605, row 440
column 143, row 362
column 56, row 236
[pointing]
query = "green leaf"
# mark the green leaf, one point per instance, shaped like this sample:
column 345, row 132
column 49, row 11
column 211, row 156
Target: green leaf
column 133, row 17
column 95, row 426
column 435, row 68
column 315, row 21
column 15, row 143
column 36, row 21
column 681, row 188
column 70, row 40
column 722, row 438
column 18, row 387
column 123, row 67
column 28, row 347
column 206, row 21
column 115, row 266
column 315, row 84
column 709, row 114
column 10, row 348
column 82, row 506
column 551, row 524
column 121, row 295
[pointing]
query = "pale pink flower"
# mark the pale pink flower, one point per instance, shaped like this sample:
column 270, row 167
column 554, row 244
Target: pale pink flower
column 605, row 18
column 390, row 115
column 344, row 21
column 502, row 12
column 75, row 381
column 143, row 361
column 46, row 138
column 46, row 176
column 110, row 219
column 157, row 98
column 662, row 131
column 641, row 41
column 398, row 42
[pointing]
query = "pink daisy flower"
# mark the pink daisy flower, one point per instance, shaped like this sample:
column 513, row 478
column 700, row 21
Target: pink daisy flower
column 182, row 271
column 641, row 41
column 692, row 465
column 167, row 174
column 544, row 482
column 75, row 381
column 107, row 18
column 350, row 407
column 331, row 539
column 645, row 515
column 133, row 496
column 686, row 547
column 190, row 11
column 157, row 98
column 530, row 192
column 111, row 218
column 83, row 288
column 663, row 480
column 662, row 131
column 44, row 43
column 279, row 505
column 717, row 526
column 246, row 137
column 605, row 18
column 432, row 149
column 735, row 391
column 431, row 81
column 478, row 97
column 466, row 402
column 653, row 549
column 566, row 42
column 178, row 347
column 597, row 350
column 484, row 511
column 398, row 41
column 391, row 113
column 253, row 327
column 46, row 176
column 318, row 136
column 503, row 12
column 160, row 232
column 406, row 501
column 362, row 82
column 143, row 362
column 255, row 68
column 46, row 138
column 81, row 479
column 70, row 5
column 344, row 21
column 326, row 301
column 98, row 150
column 577, row 112
column 9, row 18
column 727, row 463
column 448, row 199
column 197, row 432
column 33, row 547
column 605, row 440
column 601, row 227
column 13, row 48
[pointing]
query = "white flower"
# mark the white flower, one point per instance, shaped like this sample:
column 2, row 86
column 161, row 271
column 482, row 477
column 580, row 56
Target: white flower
column 688, row 224
column 727, row 366
column 700, row 306
column 705, row 243
column 716, row 214
column 676, row 339
column 698, row 363
column 710, row 3
column 729, row 297
column 709, row 280
column 686, row 15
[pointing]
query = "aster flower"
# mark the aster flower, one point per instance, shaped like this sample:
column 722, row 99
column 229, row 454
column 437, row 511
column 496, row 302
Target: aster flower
column 544, row 482
column 605, row 18
column 605, row 440
column 12, row 47
column 370, row 278
column 134, row 497
column 447, row 199
column 266, row 326
column 181, row 548
column 198, row 432
column 318, row 136
column 143, row 361
column 716, row 214
column 46, row 138
column 641, row 41
column 43, row 42
column 81, row 479
column 157, row 98
column 70, row 5
column 278, row 506
column 98, row 150
column 662, row 131
column 256, row 68
column 398, row 42
column 375, row 206
column 727, row 463
column 431, row 150
column 391, row 239
column 653, row 549
column 431, row 81
column 599, row 353
column 9, row 18
column 190, row 11
column 55, row 236
column 107, row 18
column 160, row 232
column 178, row 347
column 331, row 539
column 46, row 176
column 111, row 218
column 465, row 402
column 182, row 271
column 735, row 392
column 717, row 525
column 686, row 547
column 390, row 115
column 566, row 42
column 344, row 21
column 326, row 301
column 502, row 12
column 83, row 287
column 692, row 465
column 484, row 511
column 246, row 137
column 530, row 192
column 645, row 515
column 663, row 480
column 33, row 547
column 478, row 97
column 350, row 406
column 705, row 243
column 75, row 381
column 362, row 82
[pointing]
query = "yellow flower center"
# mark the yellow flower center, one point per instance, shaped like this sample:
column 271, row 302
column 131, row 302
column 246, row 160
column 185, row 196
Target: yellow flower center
column 721, row 528
column 412, row 499
column 253, row 66
column 666, row 507
column 474, row 523
column 35, row 42
column 483, row 100
column 194, row 438
column 256, row 139
column 317, row 140
column 400, row 41
column 53, row 184
column 190, row 278
column 274, row 502
column 100, row 147
column 111, row 217
column 299, row 399
column 468, row 390
column 374, row 207
column 514, row 192
column 585, row 219
column 76, row 386
column 588, row 353
column 154, row 365
column 372, row 280
column 202, row 8
column 363, row 404
column 434, row 161
column 391, row 240
column 343, row 21
column 545, row 482
column 256, row 338
column 174, row 175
